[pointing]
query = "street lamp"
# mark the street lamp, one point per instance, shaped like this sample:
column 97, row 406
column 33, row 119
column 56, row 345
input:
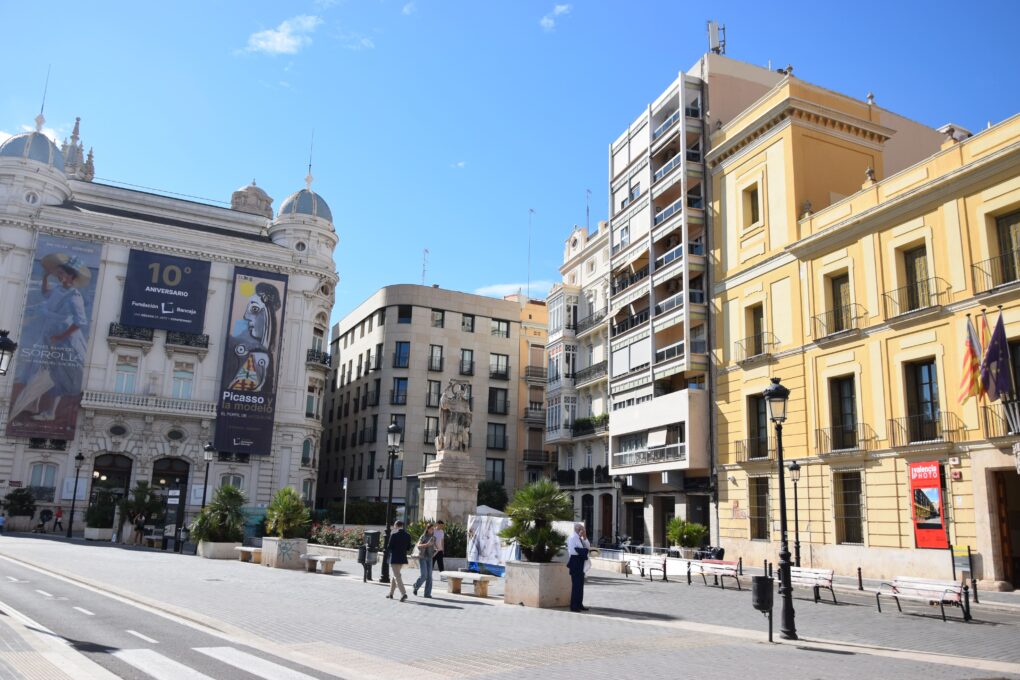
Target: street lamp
column 7, row 347
column 776, row 397
column 618, row 485
column 78, row 460
column 795, row 477
column 207, row 452
column 393, row 433
column 380, row 471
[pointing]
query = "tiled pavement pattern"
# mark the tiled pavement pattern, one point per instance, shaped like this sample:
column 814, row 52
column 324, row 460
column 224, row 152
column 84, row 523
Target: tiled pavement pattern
column 635, row 627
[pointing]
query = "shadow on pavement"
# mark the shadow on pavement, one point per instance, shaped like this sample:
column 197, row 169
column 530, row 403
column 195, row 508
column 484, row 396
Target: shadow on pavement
column 434, row 605
column 634, row 614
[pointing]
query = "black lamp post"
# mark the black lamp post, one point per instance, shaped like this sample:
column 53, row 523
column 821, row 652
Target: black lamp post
column 208, row 451
column 795, row 477
column 393, row 434
column 7, row 347
column 776, row 397
column 618, row 485
column 78, row 460
column 380, row 471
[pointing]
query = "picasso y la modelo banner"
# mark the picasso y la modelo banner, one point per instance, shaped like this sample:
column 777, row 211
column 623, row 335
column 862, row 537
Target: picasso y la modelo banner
column 929, row 509
column 165, row 292
column 247, row 398
column 55, row 330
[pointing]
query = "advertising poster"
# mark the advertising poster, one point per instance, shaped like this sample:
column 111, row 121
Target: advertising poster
column 485, row 551
column 55, row 330
column 928, row 507
column 165, row 292
column 247, row 399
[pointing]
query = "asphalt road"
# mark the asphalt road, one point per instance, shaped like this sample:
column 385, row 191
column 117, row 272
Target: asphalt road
column 130, row 640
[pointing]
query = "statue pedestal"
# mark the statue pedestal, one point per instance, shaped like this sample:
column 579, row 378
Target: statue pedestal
column 449, row 487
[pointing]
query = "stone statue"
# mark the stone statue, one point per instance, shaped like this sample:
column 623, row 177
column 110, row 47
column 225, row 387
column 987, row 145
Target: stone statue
column 454, row 418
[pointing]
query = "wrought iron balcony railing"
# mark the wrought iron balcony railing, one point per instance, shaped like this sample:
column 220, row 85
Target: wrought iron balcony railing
column 467, row 367
column 593, row 372
column 47, row 444
column 596, row 425
column 847, row 438
column 535, row 372
column 398, row 398
column 499, row 372
column 933, row 292
column 317, row 356
column 996, row 422
column 998, row 271
column 401, row 360
column 181, row 339
column 756, row 449
column 839, row 320
column 535, row 413
column 536, row 456
column 435, row 363
column 43, row 493
column 118, row 330
column 924, row 428
column 591, row 321
column 756, row 346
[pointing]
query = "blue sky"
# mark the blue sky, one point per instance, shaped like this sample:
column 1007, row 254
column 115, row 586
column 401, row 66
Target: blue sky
column 439, row 123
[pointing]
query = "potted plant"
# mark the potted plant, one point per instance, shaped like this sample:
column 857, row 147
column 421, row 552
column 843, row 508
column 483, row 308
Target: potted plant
column 687, row 535
column 538, row 581
column 99, row 516
column 142, row 500
column 219, row 528
column 19, row 503
column 287, row 521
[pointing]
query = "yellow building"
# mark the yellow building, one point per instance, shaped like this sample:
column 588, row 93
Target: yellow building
column 849, row 245
column 533, row 460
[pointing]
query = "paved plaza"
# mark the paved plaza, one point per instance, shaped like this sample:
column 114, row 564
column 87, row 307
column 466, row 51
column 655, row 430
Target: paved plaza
column 340, row 626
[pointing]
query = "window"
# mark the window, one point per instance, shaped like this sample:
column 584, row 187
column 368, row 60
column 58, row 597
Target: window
column 434, row 391
column 843, row 410
column 756, row 322
column 399, row 419
column 402, row 356
column 312, row 402
column 500, row 328
column 467, row 323
column 438, row 317
column 399, row 393
column 236, row 481
column 848, row 508
column 498, row 401
column 127, row 373
column 184, row 378
column 435, row 357
column 467, row 362
column 318, row 336
column 918, row 293
column 361, row 465
column 759, row 510
column 307, row 490
column 496, row 436
column 360, row 359
column 499, row 366
column 922, row 401
column 431, row 429
column 624, row 237
column 43, row 481
column 1007, row 229
column 758, row 428
column 752, row 207
column 842, row 314
column 495, row 469
column 404, row 314
column 306, row 453
column 376, row 363
column 371, row 465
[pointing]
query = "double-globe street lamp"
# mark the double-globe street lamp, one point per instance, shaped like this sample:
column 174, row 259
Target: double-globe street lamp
column 795, row 477
column 393, row 434
column 78, row 460
column 208, row 451
column 776, row 397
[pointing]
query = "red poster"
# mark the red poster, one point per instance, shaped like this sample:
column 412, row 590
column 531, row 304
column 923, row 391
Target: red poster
column 928, row 506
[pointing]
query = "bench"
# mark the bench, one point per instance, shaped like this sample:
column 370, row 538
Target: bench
column 313, row 561
column 253, row 555
column 718, row 569
column 479, row 582
column 926, row 590
column 647, row 563
column 816, row 578
column 152, row 541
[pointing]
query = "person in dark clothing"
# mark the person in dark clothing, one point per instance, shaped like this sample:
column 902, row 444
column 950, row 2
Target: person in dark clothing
column 440, row 535
column 577, row 551
column 400, row 544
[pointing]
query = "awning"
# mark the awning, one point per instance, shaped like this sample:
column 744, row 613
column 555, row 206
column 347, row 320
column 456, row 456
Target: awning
column 656, row 438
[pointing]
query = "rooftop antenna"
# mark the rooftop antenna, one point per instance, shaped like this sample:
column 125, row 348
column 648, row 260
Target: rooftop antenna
column 40, row 120
column 587, row 210
column 424, row 264
column 716, row 37
column 531, row 211
column 308, row 177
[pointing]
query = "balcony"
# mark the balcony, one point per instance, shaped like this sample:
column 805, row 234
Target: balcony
column 996, row 423
column 842, row 439
column 670, row 303
column 566, row 477
column 317, row 358
column 496, row 443
column 694, row 155
column 398, row 398
column 666, row 125
column 839, row 320
column 593, row 372
column 535, row 373
column 231, row 457
column 181, row 339
column 670, row 165
column 756, row 449
column 467, row 367
column 130, row 335
column 499, row 372
column 755, row 348
column 630, row 322
column 927, row 294
column 435, row 363
column 998, row 271
column 622, row 283
column 670, row 352
column 373, row 398
column 375, row 362
column 669, row 257
column 591, row 321
column 656, row 455
column 534, row 412
column 116, row 401
column 536, row 456
column 925, row 428
column 47, row 444
column 44, row 493
column 401, row 360
column 667, row 212
column 588, row 426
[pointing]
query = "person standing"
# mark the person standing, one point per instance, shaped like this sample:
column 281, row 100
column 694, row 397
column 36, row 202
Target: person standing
column 440, row 535
column 577, row 551
column 426, row 551
column 400, row 544
column 138, row 536
column 58, row 519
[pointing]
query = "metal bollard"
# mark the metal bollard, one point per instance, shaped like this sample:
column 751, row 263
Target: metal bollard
column 740, row 568
column 860, row 580
column 770, row 570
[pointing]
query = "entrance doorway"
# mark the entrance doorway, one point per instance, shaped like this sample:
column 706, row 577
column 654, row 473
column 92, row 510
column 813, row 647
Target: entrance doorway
column 112, row 471
column 606, row 517
column 1007, row 511
column 636, row 522
column 588, row 512
column 697, row 511
column 170, row 479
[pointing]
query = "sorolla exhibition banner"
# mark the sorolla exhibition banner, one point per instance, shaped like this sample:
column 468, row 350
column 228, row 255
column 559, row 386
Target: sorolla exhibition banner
column 247, row 399
column 165, row 292
column 928, row 505
column 55, row 332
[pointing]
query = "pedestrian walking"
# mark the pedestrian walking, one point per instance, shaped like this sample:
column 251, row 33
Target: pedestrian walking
column 139, row 529
column 58, row 519
column 440, row 535
column 577, row 551
column 400, row 544
column 426, row 551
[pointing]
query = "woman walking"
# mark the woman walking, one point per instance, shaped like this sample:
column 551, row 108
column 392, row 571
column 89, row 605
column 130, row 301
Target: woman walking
column 426, row 551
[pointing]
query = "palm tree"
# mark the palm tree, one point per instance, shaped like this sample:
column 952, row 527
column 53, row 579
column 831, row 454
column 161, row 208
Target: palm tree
column 287, row 515
column 532, row 512
column 222, row 521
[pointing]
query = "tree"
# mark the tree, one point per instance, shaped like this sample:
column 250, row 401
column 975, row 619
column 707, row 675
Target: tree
column 222, row 521
column 20, row 503
column 493, row 494
column 143, row 499
column 532, row 512
column 287, row 515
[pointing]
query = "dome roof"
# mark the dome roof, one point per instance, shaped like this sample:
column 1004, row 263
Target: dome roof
column 34, row 146
column 305, row 202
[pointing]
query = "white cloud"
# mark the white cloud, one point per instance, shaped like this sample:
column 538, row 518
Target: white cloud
column 561, row 9
column 287, row 38
column 539, row 289
column 459, row 164
column 548, row 22
column 409, row 8
column 355, row 41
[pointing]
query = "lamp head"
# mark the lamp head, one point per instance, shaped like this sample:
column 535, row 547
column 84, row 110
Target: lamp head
column 7, row 347
column 617, row 482
column 79, row 458
column 794, row 471
column 776, row 397
column 208, row 451
column 393, row 433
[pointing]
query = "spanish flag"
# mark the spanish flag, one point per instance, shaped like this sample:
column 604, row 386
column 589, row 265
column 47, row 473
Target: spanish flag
column 970, row 382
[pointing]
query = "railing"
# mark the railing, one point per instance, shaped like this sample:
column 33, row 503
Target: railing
column 670, row 303
column 669, row 257
column 996, row 423
column 536, row 456
column 667, row 212
column 373, row 398
column 586, row 475
column 435, row 363
column 43, row 493
column 845, row 438
column 674, row 351
column 182, row 339
column 622, row 283
column 375, row 363
column 317, row 356
column 369, row 436
column 671, row 453
column 566, row 477
column 932, row 292
column 498, row 443
column 533, row 413
column 839, row 320
column 499, row 373
column 592, row 372
column 119, row 401
column 692, row 112
column 230, row 457
column 430, row 436
column 467, row 367
column 500, row 407
column 398, row 398
column 401, row 360
column 997, row 271
column 666, row 124
column 696, row 296
column 630, row 322
column 696, row 247
column 665, row 169
column 755, row 449
column 760, row 345
column 591, row 320
column 936, row 426
column 584, row 426
column 47, row 444
column 535, row 372
column 130, row 332
column 694, row 155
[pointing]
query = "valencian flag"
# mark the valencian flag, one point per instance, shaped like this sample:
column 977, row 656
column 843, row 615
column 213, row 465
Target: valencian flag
column 996, row 377
column 970, row 384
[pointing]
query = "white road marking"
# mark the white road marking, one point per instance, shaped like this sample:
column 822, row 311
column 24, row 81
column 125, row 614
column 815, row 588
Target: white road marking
column 84, row 611
column 253, row 664
column 43, row 593
column 142, row 637
column 13, row 579
column 157, row 665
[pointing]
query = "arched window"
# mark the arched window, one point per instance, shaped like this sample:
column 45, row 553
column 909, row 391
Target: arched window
column 306, row 453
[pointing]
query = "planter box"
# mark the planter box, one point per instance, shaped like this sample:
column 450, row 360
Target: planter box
column 94, row 534
column 535, row 584
column 217, row 551
column 284, row 553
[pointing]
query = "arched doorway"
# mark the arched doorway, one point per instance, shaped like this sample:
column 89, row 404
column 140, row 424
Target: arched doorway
column 588, row 512
column 606, row 516
column 112, row 471
column 171, row 473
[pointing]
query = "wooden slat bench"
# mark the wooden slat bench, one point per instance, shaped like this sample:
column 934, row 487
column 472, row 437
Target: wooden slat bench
column 313, row 561
column 479, row 582
column 649, row 563
column 816, row 578
column 926, row 590
column 718, row 569
column 253, row 555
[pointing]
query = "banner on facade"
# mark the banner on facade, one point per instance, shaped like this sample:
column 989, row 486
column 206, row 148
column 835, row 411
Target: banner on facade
column 55, row 328
column 486, row 552
column 928, row 505
column 247, row 398
column 165, row 292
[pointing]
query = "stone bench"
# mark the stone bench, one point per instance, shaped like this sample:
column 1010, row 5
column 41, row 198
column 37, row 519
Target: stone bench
column 926, row 590
column 479, row 582
column 253, row 555
column 815, row 578
column 313, row 561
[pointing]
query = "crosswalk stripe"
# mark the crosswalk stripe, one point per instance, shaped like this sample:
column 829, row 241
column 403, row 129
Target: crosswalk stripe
column 142, row 637
column 253, row 664
column 157, row 665
column 84, row 611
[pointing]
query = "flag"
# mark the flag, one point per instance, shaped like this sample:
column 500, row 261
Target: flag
column 996, row 377
column 984, row 335
column 970, row 382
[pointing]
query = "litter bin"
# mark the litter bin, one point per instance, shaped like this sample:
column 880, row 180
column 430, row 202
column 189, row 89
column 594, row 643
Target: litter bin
column 368, row 554
column 372, row 540
column 761, row 597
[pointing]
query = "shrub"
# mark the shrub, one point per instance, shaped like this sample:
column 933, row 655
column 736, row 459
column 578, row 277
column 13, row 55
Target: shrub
column 143, row 499
column 327, row 534
column 287, row 515
column 493, row 494
column 454, row 542
column 532, row 512
column 101, row 510
column 222, row 521
column 686, row 534
column 21, row 503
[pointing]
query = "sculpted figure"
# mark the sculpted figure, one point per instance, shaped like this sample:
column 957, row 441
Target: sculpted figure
column 454, row 418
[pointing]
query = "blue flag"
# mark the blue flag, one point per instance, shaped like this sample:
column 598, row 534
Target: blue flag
column 996, row 376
